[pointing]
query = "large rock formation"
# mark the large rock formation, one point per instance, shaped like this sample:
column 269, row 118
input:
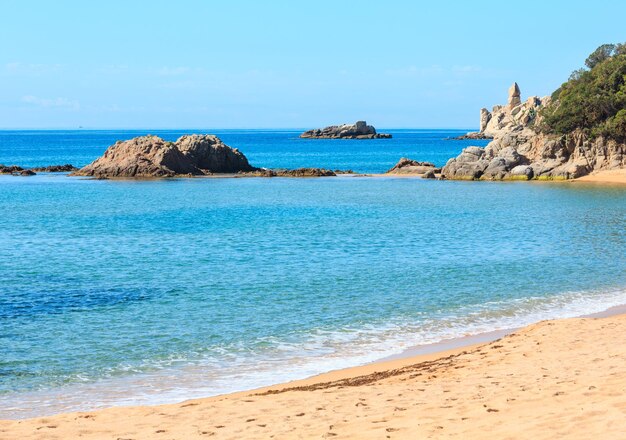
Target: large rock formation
column 190, row 155
column 359, row 130
column 515, row 115
column 151, row 156
column 519, row 152
column 412, row 167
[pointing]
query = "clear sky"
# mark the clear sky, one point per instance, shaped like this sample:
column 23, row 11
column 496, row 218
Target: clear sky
column 256, row 64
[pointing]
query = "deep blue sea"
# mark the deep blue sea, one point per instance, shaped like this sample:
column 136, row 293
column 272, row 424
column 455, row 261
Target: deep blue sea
column 132, row 292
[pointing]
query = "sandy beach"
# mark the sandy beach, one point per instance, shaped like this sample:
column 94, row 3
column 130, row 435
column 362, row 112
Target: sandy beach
column 553, row 379
column 608, row 176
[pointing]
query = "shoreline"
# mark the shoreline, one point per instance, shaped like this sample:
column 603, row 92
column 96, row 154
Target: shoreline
column 409, row 356
column 606, row 177
column 491, row 388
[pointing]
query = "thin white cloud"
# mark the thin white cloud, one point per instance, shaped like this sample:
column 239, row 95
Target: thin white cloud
column 172, row 71
column 16, row 67
column 64, row 103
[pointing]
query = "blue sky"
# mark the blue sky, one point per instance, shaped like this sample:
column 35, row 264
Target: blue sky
column 256, row 64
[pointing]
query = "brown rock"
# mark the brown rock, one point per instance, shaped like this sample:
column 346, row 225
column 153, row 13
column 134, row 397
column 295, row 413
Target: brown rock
column 209, row 154
column 514, row 96
column 55, row 169
column 151, row 156
column 359, row 130
column 408, row 166
column 10, row 169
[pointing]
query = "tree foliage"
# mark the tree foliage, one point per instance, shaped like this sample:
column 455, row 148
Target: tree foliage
column 593, row 99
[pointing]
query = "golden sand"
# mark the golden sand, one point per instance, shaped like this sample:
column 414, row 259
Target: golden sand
column 554, row 379
column 609, row 176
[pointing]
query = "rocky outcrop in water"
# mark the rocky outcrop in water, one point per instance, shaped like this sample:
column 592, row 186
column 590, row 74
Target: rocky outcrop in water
column 297, row 172
column 412, row 167
column 55, row 169
column 151, row 156
column 359, row 130
column 519, row 151
column 191, row 155
column 10, row 169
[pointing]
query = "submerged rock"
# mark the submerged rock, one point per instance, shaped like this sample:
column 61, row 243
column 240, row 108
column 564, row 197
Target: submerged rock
column 27, row 173
column 359, row 130
column 151, row 156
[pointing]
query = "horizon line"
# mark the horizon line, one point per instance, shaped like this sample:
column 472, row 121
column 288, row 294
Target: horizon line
column 204, row 128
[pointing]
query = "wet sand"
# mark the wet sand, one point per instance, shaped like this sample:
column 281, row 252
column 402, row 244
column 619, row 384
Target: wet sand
column 554, row 379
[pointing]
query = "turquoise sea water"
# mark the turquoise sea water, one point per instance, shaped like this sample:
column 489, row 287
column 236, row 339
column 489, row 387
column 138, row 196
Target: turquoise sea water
column 134, row 292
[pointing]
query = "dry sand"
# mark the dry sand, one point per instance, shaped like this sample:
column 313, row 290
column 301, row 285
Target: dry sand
column 608, row 176
column 554, row 379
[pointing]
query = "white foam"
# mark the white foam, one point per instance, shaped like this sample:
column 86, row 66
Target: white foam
column 320, row 351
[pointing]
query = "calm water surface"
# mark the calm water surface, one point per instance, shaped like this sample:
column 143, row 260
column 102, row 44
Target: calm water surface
column 126, row 292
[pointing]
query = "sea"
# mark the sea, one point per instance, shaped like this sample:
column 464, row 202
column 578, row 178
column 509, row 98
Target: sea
column 124, row 292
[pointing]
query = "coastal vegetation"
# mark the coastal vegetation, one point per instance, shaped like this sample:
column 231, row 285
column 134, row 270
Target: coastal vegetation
column 593, row 100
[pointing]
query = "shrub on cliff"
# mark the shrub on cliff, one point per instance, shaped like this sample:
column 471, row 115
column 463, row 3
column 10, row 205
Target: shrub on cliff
column 593, row 99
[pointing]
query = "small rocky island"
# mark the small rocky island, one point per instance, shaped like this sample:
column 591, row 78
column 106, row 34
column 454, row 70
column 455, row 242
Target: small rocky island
column 191, row 155
column 359, row 130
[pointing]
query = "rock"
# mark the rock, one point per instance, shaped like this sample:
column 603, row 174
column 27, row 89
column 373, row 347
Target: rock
column 305, row 172
column 27, row 173
column 522, row 153
column 359, row 130
column 298, row 172
column 522, row 171
column 472, row 135
column 210, row 155
column 10, row 169
column 151, row 156
column 515, row 116
column 430, row 174
column 514, row 96
column 408, row 166
column 55, row 169
column 485, row 116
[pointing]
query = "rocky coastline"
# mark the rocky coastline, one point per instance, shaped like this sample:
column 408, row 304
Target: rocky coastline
column 520, row 151
column 358, row 130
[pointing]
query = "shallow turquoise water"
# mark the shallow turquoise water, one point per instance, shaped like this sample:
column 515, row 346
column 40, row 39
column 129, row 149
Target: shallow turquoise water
column 119, row 292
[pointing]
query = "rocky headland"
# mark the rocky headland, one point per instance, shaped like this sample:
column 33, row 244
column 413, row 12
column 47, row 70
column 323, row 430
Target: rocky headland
column 359, row 130
column 521, row 150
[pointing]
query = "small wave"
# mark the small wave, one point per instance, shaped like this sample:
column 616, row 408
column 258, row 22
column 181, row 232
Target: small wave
column 319, row 351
